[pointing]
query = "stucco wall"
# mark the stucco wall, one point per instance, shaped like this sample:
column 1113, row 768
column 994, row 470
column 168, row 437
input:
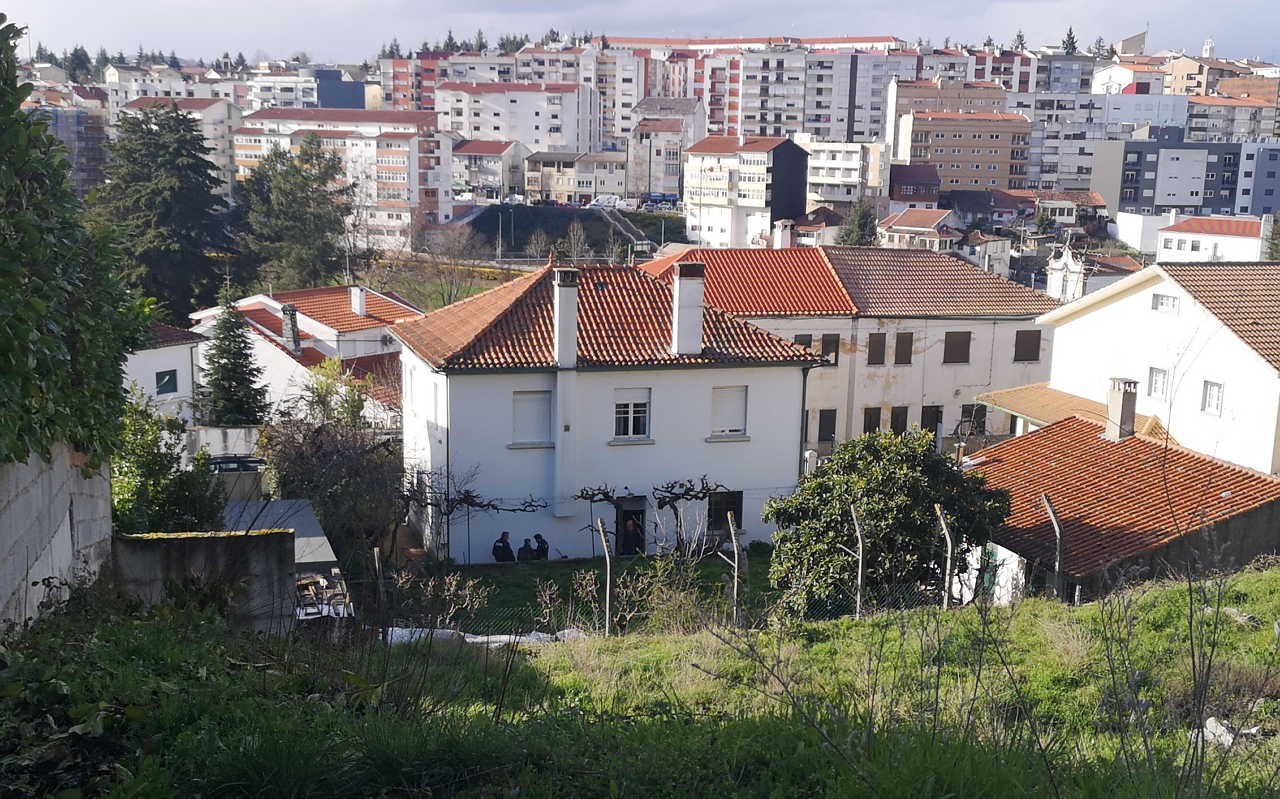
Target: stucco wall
column 54, row 522
column 141, row 367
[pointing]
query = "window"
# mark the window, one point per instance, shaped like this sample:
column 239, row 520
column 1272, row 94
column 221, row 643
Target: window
column 827, row 424
column 1157, row 382
column 631, row 413
column 1168, row 244
column 898, row 419
column 870, row 420
column 831, row 347
column 902, row 348
column 976, row 417
column 875, row 349
column 729, row 411
column 804, row 340
column 1211, row 398
column 531, row 417
column 1026, row 346
column 1164, row 303
column 719, row 505
column 931, row 419
column 167, row 381
column 955, row 347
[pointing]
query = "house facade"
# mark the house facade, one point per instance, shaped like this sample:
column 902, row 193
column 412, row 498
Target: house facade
column 569, row 379
column 489, row 169
column 735, row 189
column 164, row 369
column 564, row 117
column 1201, row 238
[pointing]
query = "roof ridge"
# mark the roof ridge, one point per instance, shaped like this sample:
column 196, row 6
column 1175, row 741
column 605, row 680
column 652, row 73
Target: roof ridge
column 831, row 268
column 534, row 279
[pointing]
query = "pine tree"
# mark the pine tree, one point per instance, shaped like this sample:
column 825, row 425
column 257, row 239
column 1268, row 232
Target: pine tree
column 140, row 58
column 1069, row 44
column 859, row 227
column 79, row 65
column 1099, row 48
column 173, row 61
column 989, row 42
column 450, row 43
column 241, row 63
column 604, row 42
column 1273, row 245
column 100, row 62
column 231, row 395
column 480, row 42
column 161, row 192
column 1019, row 42
column 42, row 53
column 119, row 60
column 394, row 50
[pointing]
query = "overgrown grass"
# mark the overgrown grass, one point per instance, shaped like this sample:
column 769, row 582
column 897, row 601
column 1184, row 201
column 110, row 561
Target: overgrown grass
column 659, row 228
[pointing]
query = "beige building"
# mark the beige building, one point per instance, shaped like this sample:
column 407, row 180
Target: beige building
column 1255, row 87
column 574, row 177
column 942, row 94
column 1192, row 75
column 970, row 151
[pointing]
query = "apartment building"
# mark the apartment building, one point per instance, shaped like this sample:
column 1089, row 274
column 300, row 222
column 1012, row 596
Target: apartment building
column 489, row 66
column 940, row 94
column 83, row 132
column 1014, row 70
column 1259, row 191
column 970, row 151
column 667, row 126
column 745, row 44
column 1193, row 75
column 409, row 84
column 1256, row 87
column 716, row 79
column 619, row 76
column 871, row 114
column 541, row 64
column 575, row 177
column 828, row 87
column 1216, row 118
column 736, row 188
column 1060, row 72
column 560, row 117
column 400, row 162
column 489, row 169
column 773, row 92
column 841, row 173
column 218, row 120
column 305, row 87
column 1158, row 171
column 124, row 84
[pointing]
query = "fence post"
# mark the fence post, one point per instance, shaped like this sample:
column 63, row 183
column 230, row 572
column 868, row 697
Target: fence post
column 946, row 575
column 1056, row 585
column 608, row 578
column 737, row 572
column 857, row 529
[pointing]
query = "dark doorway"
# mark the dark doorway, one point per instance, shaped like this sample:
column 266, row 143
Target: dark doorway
column 631, row 535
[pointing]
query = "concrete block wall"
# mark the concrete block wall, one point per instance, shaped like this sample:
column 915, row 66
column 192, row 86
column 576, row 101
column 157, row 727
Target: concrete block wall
column 54, row 522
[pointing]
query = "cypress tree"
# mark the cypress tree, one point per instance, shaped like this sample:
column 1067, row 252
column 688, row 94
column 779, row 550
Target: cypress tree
column 231, row 395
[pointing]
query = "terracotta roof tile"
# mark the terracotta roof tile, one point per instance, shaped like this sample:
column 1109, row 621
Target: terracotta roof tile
column 1244, row 296
column 726, row 145
column 476, row 147
column 308, row 357
column 624, row 320
column 791, row 282
column 659, row 126
column 916, row 218
column 1115, row 264
column 1217, row 226
column 163, row 335
column 1243, row 102
column 1044, row 405
column 331, row 305
column 1115, row 500
column 383, row 370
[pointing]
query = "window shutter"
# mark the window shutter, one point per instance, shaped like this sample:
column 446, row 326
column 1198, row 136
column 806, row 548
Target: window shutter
column 902, row 348
column 875, row 349
column 1026, row 345
column 530, row 416
column 955, row 347
column 729, row 411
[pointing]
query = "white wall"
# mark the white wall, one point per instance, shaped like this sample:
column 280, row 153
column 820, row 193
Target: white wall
column 1126, row 337
column 141, row 367
column 1184, row 247
column 1142, row 231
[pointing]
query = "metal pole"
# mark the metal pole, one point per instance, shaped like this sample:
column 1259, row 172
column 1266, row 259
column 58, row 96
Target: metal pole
column 946, row 577
column 1056, row 586
column 608, row 578
column 737, row 573
column 857, row 529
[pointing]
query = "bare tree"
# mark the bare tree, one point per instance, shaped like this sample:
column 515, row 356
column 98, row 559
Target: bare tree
column 538, row 245
column 575, row 245
column 452, row 255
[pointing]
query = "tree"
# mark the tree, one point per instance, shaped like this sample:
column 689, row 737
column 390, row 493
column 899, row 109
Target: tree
column 551, row 36
column 604, row 42
column 1019, row 42
column 575, row 245
column 79, row 65
column 333, row 395
column 511, row 43
column 859, row 227
column 480, row 43
column 393, row 50
column 66, row 319
column 1099, row 48
column 140, row 58
column 538, row 245
column 1273, row 244
column 160, row 191
column 100, row 62
column 231, row 395
column 295, row 209
column 119, row 60
column 452, row 255
column 1069, row 44
column 172, row 62
column 450, row 43
column 1044, row 222
column 151, row 491
column 240, row 62
column 892, row 482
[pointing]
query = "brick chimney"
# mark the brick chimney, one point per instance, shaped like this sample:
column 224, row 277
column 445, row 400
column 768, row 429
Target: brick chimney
column 686, row 309
column 565, row 317
column 289, row 328
column 1122, row 403
column 358, row 300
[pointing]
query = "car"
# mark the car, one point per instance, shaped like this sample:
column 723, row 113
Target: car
column 514, row 199
column 236, row 463
column 626, row 205
column 649, row 208
column 665, row 207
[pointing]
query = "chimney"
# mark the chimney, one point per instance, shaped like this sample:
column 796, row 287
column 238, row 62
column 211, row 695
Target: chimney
column 783, row 234
column 565, row 313
column 1122, row 401
column 357, row 300
column 289, row 328
column 686, row 309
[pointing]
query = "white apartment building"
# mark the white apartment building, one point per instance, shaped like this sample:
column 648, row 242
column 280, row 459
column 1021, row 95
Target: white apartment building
column 736, row 188
column 490, row 66
column 841, row 173
column 219, row 120
column 667, row 126
column 164, row 369
column 489, row 169
column 620, row 78
column 1214, row 118
column 1236, row 239
column 562, row 117
column 547, row 412
column 827, row 85
column 909, row 337
column 400, row 162
column 1145, row 79
column 125, row 84
column 872, row 71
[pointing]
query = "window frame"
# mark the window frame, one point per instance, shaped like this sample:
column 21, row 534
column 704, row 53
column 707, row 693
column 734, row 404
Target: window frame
column 1208, row 403
column 166, row 372
column 730, row 432
column 868, row 413
column 1019, row 348
column 548, row 439
column 831, row 347
column 634, row 410
column 899, row 418
column 948, row 356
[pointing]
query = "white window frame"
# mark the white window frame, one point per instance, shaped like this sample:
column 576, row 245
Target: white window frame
column 633, row 404
column 1157, row 382
column 729, row 411
column 1211, row 398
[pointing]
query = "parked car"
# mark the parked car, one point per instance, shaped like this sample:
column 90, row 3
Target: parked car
column 514, row 199
column 666, row 208
column 236, row 463
column 605, row 201
column 649, row 208
column 626, row 205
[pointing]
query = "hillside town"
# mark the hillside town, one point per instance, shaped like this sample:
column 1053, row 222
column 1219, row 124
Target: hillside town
column 761, row 330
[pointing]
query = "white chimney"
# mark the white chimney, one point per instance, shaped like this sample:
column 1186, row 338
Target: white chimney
column 783, row 234
column 686, row 309
column 565, row 313
column 1122, row 402
column 357, row 300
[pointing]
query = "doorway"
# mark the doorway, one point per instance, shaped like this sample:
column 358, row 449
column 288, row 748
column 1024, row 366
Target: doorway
column 631, row 535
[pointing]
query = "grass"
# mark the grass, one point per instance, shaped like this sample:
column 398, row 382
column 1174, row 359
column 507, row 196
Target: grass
column 424, row 290
column 552, row 221
column 105, row 698
column 659, row 228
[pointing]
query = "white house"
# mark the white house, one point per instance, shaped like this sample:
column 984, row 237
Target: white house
column 1071, row 276
column 910, row 336
column 941, row 230
column 568, row 379
column 1214, row 238
column 1200, row 341
column 294, row 331
column 164, row 369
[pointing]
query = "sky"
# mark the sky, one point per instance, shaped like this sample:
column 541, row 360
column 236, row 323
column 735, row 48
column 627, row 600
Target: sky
column 352, row 30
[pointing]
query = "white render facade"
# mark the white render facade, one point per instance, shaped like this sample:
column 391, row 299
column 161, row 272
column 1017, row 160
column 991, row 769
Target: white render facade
column 556, row 117
column 1176, row 246
column 165, row 375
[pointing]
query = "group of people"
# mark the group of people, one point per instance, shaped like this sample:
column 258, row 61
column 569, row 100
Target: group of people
column 528, row 551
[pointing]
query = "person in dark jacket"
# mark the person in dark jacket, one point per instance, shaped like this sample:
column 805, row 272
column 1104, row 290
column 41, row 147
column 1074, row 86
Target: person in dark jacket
column 525, row 552
column 541, row 550
column 502, row 549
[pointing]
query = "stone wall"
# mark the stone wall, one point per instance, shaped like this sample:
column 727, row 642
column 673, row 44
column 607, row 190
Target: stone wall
column 54, row 523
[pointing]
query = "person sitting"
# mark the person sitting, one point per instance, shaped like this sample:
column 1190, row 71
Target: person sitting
column 525, row 552
column 502, row 549
column 541, row 550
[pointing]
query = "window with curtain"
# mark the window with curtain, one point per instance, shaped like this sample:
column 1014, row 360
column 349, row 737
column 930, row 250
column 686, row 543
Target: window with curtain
column 631, row 409
column 729, row 411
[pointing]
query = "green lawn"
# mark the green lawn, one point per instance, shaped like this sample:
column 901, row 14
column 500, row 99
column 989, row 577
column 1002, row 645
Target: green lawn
column 552, row 221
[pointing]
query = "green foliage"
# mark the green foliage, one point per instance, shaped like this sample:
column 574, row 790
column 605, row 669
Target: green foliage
column 231, row 395
column 333, row 395
column 295, row 211
column 892, row 482
column 151, row 492
column 859, row 227
column 1069, row 44
column 1044, row 222
column 160, row 190
column 66, row 321
column 1273, row 244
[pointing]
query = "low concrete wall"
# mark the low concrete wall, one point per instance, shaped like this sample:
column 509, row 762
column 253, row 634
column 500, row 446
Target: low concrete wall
column 222, row 440
column 54, row 522
column 253, row 571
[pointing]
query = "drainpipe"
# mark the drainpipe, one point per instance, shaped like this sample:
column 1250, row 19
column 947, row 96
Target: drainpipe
column 804, row 415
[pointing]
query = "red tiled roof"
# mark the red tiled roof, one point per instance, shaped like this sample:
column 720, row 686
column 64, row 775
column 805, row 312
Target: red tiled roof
column 1217, row 226
column 268, row 321
column 501, row 88
column 624, row 320
column 308, row 357
column 1244, row 296
column 348, row 115
column 963, row 117
column 331, row 305
column 791, row 282
column 1246, row 102
column 916, row 218
column 659, row 126
column 383, row 372
column 163, row 335
column 183, row 103
column 1116, row 263
column 726, row 145
column 1114, row 500
column 476, row 147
